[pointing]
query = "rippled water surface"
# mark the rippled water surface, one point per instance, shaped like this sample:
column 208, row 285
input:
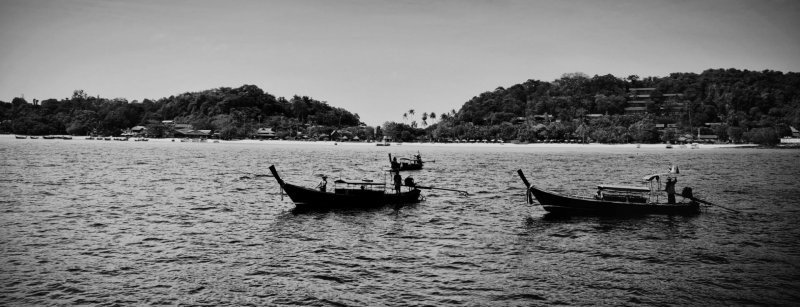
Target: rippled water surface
column 125, row 223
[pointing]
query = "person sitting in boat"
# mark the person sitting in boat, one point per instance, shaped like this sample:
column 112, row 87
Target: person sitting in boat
column 410, row 182
column 670, row 188
column 418, row 159
column 322, row 186
column 398, row 182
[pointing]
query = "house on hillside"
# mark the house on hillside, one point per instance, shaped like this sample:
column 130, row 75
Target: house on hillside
column 640, row 98
column 265, row 133
column 182, row 126
column 192, row 134
column 139, row 130
column 707, row 138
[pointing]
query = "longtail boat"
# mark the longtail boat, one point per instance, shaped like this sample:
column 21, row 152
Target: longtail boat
column 615, row 200
column 346, row 195
column 406, row 164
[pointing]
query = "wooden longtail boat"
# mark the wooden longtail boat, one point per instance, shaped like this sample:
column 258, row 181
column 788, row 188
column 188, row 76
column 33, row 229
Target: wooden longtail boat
column 406, row 164
column 613, row 200
column 355, row 194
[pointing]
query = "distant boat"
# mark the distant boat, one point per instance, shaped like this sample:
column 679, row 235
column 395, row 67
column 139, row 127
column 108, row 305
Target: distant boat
column 384, row 142
column 21, row 137
column 354, row 195
column 695, row 146
column 34, row 137
column 48, row 137
column 66, row 137
column 406, row 164
column 613, row 200
column 669, row 146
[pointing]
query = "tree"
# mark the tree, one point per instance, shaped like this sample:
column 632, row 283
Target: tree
column 83, row 122
column 582, row 132
column 763, row 136
column 156, row 129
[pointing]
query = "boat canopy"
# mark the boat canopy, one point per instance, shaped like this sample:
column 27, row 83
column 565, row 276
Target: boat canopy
column 651, row 177
column 657, row 177
column 619, row 188
column 357, row 182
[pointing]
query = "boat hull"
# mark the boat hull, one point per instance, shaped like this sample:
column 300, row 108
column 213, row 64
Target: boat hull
column 410, row 166
column 310, row 199
column 569, row 205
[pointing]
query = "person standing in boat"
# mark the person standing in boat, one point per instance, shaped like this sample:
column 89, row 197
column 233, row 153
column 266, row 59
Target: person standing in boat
column 395, row 165
column 670, row 188
column 323, row 185
column 398, row 181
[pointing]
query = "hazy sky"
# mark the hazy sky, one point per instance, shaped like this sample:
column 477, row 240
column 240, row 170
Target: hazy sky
column 375, row 58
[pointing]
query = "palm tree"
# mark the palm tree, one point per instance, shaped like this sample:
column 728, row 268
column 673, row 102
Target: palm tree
column 433, row 116
column 405, row 117
column 411, row 113
column 424, row 119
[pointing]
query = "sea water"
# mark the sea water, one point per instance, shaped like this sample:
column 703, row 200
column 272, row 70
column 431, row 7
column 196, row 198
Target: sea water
column 144, row 223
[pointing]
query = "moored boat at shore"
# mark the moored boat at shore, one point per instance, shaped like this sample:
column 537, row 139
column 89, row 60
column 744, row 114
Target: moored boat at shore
column 616, row 200
column 346, row 195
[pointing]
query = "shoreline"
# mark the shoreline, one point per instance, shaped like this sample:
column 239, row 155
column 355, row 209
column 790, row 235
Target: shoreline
column 415, row 144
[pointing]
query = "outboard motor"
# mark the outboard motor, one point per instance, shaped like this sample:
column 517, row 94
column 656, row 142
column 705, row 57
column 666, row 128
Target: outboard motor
column 687, row 192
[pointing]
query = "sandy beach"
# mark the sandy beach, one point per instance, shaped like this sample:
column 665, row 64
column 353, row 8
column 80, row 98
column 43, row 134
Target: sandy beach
column 408, row 144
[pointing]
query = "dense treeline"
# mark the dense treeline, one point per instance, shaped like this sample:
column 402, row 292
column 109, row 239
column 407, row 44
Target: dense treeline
column 233, row 112
column 747, row 105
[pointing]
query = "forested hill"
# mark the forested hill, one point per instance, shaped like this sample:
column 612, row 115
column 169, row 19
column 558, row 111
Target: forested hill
column 727, row 104
column 234, row 112
column 736, row 97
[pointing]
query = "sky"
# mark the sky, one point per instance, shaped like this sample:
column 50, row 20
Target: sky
column 377, row 58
